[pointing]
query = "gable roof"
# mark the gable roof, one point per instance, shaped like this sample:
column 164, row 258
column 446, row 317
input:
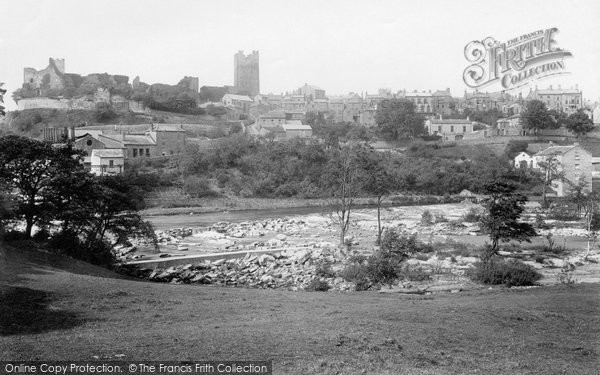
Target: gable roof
column 108, row 153
column 555, row 150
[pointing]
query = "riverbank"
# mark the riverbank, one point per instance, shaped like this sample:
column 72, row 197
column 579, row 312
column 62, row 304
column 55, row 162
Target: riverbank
column 53, row 307
column 225, row 204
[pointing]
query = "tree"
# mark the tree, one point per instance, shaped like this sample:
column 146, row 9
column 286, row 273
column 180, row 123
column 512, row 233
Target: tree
column 397, row 119
column 503, row 210
column 2, row 92
column 536, row 116
column 345, row 181
column 592, row 219
column 379, row 182
column 29, row 166
column 579, row 123
column 550, row 169
column 514, row 147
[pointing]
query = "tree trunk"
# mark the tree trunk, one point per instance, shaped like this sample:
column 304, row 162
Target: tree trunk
column 379, row 220
column 29, row 226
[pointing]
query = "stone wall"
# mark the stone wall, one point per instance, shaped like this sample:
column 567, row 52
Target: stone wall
column 65, row 104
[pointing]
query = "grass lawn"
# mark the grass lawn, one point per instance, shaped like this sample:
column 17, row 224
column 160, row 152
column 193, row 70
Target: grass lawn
column 52, row 308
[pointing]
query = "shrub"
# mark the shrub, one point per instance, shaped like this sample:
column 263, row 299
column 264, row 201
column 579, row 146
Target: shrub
column 426, row 218
column 318, row 285
column 323, row 269
column 563, row 213
column 472, row 216
column 357, row 273
column 413, row 273
column 198, row 187
column 70, row 245
column 440, row 218
column 382, row 268
column 423, row 257
column 398, row 244
column 497, row 271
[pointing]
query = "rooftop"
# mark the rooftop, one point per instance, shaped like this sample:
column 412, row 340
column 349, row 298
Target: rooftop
column 108, row 153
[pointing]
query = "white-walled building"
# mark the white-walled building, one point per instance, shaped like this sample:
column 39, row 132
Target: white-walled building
column 107, row 161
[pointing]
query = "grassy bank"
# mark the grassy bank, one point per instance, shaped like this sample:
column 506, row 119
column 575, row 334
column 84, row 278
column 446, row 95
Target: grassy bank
column 205, row 205
column 62, row 309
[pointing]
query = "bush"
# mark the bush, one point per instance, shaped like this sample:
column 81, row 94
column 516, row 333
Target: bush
column 318, row 285
column 563, row 213
column 198, row 187
column 357, row 273
column 426, row 218
column 413, row 273
column 473, row 216
column 400, row 245
column 440, row 218
column 383, row 269
column 70, row 245
column 323, row 269
column 497, row 271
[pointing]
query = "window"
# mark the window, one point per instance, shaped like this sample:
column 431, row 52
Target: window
column 148, row 152
column 134, row 152
column 111, row 163
column 464, row 129
column 89, row 142
column 451, row 128
column 141, row 151
column 576, row 166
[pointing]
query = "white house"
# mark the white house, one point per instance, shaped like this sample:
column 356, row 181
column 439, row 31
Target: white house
column 108, row 161
column 524, row 160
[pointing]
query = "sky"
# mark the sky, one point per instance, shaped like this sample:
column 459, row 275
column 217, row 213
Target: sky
column 340, row 46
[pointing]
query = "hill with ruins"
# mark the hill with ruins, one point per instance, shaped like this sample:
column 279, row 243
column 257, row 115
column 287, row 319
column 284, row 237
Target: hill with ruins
column 54, row 88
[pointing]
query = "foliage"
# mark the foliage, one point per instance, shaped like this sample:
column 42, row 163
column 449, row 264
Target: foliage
column 489, row 117
column 514, row 147
column 579, row 123
column 503, row 210
column 497, row 271
column 426, row 218
column 397, row 119
column 399, row 245
column 472, row 216
column 536, row 116
column 198, row 187
column 89, row 215
column 563, row 212
column 318, row 285
column 105, row 113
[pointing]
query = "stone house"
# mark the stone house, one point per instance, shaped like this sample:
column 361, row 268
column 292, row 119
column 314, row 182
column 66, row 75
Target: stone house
column 295, row 129
column 449, row 129
column 107, row 162
column 573, row 161
column 510, row 126
column 238, row 102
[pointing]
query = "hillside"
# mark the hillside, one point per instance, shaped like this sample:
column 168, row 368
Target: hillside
column 31, row 122
column 51, row 306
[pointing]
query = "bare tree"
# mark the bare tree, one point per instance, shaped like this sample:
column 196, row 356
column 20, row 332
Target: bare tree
column 345, row 179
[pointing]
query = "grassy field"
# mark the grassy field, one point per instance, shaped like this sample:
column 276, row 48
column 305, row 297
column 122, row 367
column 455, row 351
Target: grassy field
column 55, row 308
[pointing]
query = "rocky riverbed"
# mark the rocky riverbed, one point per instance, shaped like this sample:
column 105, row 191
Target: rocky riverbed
column 291, row 252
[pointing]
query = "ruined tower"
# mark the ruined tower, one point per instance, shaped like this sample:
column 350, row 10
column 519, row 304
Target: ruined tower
column 245, row 74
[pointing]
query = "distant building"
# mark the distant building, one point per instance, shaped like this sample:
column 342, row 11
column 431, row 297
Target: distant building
column 239, row 102
column 295, row 129
column 525, row 160
column 246, row 79
column 107, row 162
column 510, row 126
column 449, row 129
column 423, row 101
column 311, row 92
column 562, row 100
column 573, row 161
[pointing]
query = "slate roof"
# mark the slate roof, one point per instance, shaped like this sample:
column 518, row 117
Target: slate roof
column 108, row 153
